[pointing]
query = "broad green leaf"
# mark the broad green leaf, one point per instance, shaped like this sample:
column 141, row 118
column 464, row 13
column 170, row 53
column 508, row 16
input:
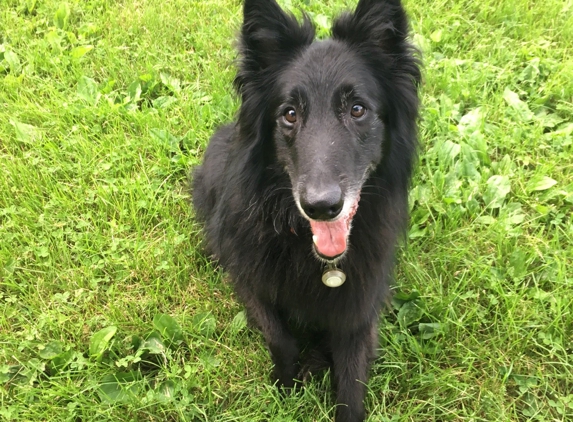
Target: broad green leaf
column 71, row 37
column 168, row 328
column 565, row 129
column 170, row 82
column 469, row 153
column 166, row 391
column 164, row 102
column 205, row 99
column 9, row 372
column 62, row 16
column 54, row 38
column 80, row 51
column 209, row 361
column 121, row 387
column 550, row 120
column 542, row 209
column 448, row 151
column 30, row 5
column 485, row 220
column 452, row 189
column 100, row 341
column 322, row 21
column 13, row 61
column 415, row 231
column 471, row 122
column 497, row 189
column 5, row 374
column 51, row 350
column 409, row 313
column 205, row 324
column 531, row 71
column 520, row 107
column 421, row 193
column 63, row 359
column 134, row 92
column 239, row 322
column 477, row 142
column 512, row 98
column 514, row 213
column 87, row 90
column 429, row 330
column 467, row 169
column 400, row 298
column 153, row 344
column 516, row 218
column 25, row 133
column 436, row 36
column 165, row 138
column 539, row 183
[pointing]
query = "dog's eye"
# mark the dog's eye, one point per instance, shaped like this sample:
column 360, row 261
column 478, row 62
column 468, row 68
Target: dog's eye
column 357, row 110
column 290, row 115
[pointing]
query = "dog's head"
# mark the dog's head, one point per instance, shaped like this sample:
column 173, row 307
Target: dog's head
column 331, row 108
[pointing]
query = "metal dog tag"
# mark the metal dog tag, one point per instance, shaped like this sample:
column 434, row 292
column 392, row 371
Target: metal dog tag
column 333, row 277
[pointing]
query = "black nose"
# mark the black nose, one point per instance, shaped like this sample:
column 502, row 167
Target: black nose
column 323, row 204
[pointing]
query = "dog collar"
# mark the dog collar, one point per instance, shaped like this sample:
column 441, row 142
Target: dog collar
column 333, row 276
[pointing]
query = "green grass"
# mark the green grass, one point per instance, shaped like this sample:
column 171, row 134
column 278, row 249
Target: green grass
column 105, row 106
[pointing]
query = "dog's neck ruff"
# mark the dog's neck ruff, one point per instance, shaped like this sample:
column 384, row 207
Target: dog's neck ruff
column 333, row 276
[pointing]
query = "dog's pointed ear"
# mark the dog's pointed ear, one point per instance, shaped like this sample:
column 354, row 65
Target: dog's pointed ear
column 380, row 22
column 269, row 35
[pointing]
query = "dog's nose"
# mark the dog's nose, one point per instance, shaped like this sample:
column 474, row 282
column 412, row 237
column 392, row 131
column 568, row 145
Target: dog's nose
column 323, row 204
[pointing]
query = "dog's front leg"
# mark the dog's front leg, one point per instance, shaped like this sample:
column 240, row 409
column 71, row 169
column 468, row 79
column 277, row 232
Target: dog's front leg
column 282, row 345
column 351, row 353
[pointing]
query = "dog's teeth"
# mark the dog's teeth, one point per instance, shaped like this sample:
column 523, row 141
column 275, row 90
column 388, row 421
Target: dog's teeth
column 314, row 239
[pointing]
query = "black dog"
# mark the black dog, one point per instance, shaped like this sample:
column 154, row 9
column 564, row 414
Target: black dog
column 309, row 186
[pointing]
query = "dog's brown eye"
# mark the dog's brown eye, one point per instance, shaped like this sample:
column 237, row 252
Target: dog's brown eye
column 290, row 115
column 357, row 110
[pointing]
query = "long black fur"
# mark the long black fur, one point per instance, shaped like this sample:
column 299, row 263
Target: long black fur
column 255, row 168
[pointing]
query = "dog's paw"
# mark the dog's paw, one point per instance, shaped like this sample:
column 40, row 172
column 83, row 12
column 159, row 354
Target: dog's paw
column 286, row 383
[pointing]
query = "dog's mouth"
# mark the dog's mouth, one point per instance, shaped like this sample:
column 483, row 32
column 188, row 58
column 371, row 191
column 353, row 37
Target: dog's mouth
column 330, row 238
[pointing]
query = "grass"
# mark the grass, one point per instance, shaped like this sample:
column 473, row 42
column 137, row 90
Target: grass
column 109, row 309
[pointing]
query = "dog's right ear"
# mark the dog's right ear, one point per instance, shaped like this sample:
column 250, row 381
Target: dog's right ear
column 379, row 22
column 269, row 36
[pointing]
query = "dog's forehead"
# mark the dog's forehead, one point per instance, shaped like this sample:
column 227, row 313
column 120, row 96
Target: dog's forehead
column 327, row 64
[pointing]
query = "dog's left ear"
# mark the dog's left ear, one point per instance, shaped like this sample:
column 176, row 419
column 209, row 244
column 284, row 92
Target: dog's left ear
column 270, row 36
column 380, row 22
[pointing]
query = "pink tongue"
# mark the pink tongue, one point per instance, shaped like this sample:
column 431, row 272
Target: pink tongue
column 330, row 236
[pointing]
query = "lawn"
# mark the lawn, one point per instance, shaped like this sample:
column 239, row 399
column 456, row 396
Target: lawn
column 109, row 309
